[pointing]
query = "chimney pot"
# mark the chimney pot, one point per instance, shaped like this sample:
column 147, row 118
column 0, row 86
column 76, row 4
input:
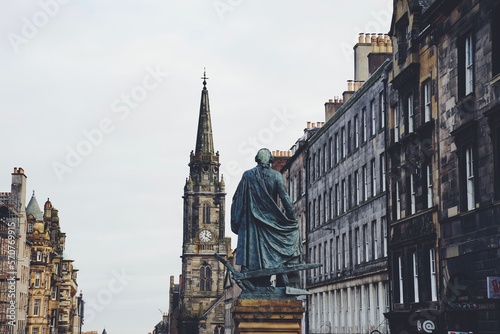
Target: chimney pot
column 361, row 38
column 350, row 85
column 375, row 46
column 389, row 46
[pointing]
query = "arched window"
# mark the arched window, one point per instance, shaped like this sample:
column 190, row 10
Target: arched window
column 205, row 277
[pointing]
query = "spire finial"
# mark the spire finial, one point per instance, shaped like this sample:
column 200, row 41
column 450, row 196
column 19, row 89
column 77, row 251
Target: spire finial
column 204, row 77
column 33, row 192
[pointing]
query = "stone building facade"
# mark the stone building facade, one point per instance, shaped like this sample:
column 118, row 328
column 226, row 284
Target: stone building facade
column 347, row 216
column 14, row 256
column 173, row 306
column 337, row 181
column 413, row 170
column 55, row 307
column 45, row 299
column 467, row 34
column 443, row 160
column 295, row 175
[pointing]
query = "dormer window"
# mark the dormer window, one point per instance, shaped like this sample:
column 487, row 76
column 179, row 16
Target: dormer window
column 30, row 227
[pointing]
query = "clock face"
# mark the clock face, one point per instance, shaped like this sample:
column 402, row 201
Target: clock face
column 205, row 235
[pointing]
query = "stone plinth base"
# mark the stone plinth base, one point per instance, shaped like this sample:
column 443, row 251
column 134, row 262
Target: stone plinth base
column 267, row 316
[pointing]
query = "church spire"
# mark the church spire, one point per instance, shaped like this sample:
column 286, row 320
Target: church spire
column 204, row 139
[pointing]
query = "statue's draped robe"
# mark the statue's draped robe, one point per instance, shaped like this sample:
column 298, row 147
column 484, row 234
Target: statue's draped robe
column 267, row 237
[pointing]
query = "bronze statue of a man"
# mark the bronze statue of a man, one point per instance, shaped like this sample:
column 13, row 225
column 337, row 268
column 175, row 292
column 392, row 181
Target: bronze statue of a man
column 267, row 236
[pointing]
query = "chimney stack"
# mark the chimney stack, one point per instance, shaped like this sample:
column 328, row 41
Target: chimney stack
column 18, row 188
column 331, row 107
column 381, row 50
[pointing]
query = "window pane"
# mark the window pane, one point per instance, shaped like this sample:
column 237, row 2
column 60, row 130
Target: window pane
column 415, row 278
column 469, row 157
column 469, row 65
column 432, row 261
column 427, row 101
column 410, row 113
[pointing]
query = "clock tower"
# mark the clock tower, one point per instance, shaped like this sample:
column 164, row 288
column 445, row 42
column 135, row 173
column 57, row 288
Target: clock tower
column 201, row 288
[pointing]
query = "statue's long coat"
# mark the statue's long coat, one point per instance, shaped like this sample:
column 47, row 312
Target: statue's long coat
column 267, row 237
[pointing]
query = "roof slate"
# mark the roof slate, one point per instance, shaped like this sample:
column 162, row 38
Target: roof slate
column 34, row 209
column 425, row 4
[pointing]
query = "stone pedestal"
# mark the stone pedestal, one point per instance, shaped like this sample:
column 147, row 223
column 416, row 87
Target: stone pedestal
column 267, row 316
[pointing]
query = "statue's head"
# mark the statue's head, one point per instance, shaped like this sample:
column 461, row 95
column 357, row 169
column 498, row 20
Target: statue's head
column 264, row 157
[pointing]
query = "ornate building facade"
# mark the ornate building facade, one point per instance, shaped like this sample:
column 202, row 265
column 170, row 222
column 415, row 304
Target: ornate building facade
column 54, row 304
column 201, row 303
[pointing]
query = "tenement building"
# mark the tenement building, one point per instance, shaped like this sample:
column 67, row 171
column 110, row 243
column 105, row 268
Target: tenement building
column 413, row 170
column 444, row 162
column 295, row 175
column 346, row 201
column 201, row 304
column 54, row 303
column 38, row 292
column 14, row 256
column 469, row 112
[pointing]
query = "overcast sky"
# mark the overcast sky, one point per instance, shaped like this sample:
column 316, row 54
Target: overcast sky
column 100, row 104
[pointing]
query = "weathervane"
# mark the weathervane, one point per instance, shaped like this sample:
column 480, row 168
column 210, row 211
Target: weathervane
column 204, row 76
